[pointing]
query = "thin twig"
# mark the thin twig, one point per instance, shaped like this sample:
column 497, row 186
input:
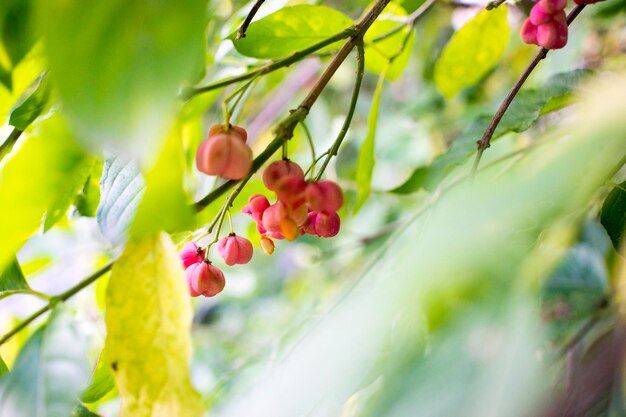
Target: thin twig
column 241, row 33
column 272, row 66
column 409, row 21
column 485, row 141
column 284, row 131
column 56, row 299
column 348, row 120
column 493, row 4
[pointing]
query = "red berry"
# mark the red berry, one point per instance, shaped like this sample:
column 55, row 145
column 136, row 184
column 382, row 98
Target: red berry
column 279, row 169
column 191, row 254
column 204, row 279
column 324, row 196
column 235, row 249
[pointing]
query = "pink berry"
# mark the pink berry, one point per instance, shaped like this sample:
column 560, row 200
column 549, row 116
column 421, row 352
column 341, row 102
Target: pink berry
column 552, row 6
column 324, row 196
column 299, row 214
column 235, row 249
column 257, row 204
column 273, row 216
column 204, row 279
column 225, row 155
column 538, row 16
column 290, row 190
column 279, row 169
column 529, row 32
column 240, row 131
column 191, row 254
column 327, row 224
column 552, row 35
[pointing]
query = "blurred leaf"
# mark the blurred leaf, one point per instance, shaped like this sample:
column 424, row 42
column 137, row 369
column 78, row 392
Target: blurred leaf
column 101, row 383
column 82, row 411
column 15, row 35
column 574, row 290
column 22, row 76
column 49, row 372
column 528, row 105
column 164, row 205
column 365, row 165
column 87, row 200
column 26, row 113
column 3, row 367
column 119, row 64
column 291, row 29
column 121, row 187
column 378, row 54
column 32, row 178
column 148, row 318
column 67, row 192
column 613, row 214
column 12, row 279
column 478, row 238
column 472, row 51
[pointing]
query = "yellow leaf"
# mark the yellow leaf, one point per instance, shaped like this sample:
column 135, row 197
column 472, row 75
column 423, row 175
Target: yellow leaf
column 148, row 318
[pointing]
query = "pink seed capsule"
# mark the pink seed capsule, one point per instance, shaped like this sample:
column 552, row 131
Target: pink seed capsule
column 204, row 279
column 191, row 254
column 240, row 131
column 299, row 214
column 257, row 204
column 552, row 35
column 225, row 155
column 235, row 249
column 538, row 16
column 273, row 216
column 324, row 196
column 290, row 190
column 552, row 6
column 529, row 32
column 327, row 224
column 279, row 169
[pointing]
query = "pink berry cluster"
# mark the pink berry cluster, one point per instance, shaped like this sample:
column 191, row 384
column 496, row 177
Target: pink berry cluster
column 204, row 278
column 547, row 25
column 225, row 153
column 301, row 208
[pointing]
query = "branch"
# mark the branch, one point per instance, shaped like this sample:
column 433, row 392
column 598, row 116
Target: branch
column 485, row 141
column 285, row 129
column 54, row 300
column 7, row 145
column 346, row 124
column 241, row 33
column 272, row 66
column 410, row 21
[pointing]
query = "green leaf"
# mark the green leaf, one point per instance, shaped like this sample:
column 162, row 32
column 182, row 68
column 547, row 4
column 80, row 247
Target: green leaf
column 26, row 113
column 15, row 33
column 119, row 64
column 472, row 51
column 22, row 77
column 164, row 205
column 148, row 318
column 49, row 372
column 32, row 178
column 613, row 214
column 102, row 382
column 68, row 192
column 82, row 411
column 291, row 29
column 12, row 279
column 3, row 367
column 528, row 106
column 365, row 164
column 379, row 54
column 121, row 187
column 87, row 200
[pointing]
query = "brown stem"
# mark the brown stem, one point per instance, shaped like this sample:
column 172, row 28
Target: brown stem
column 284, row 130
column 485, row 141
column 241, row 33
